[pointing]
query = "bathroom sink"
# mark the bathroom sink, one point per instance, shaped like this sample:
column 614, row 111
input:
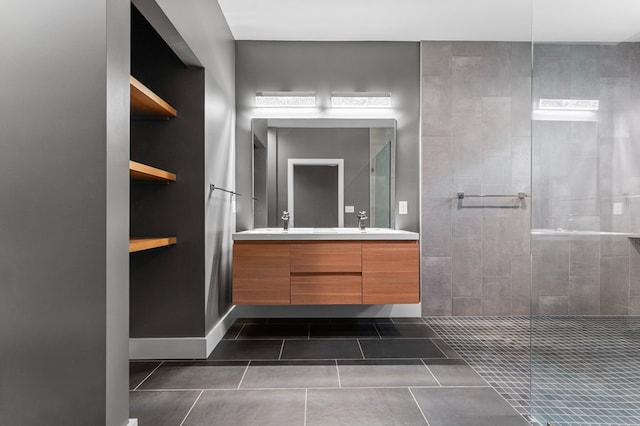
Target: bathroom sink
column 325, row 234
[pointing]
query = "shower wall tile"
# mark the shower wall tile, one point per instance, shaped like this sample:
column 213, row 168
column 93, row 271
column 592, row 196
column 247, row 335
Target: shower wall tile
column 467, row 306
column 495, row 292
column 634, row 268
column 585, row 257
column 487, row 116
column 615, row 60
column 553, row 305
column 614, row 285
column 466, row 277
column 436, row 58
column 584, row 295
column 436, row 105
column 436, row 293
column 437, row 179
column 585, row 71
column 436, row 227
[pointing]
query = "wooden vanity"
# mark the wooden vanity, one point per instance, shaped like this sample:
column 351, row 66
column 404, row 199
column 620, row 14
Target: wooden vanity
column 300, row 268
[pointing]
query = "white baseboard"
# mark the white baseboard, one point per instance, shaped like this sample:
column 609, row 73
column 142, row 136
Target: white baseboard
column 328, row 311
column 133, row 422
column 181, row 347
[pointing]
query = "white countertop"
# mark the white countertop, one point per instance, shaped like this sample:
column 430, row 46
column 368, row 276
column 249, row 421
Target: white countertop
column 324, row 234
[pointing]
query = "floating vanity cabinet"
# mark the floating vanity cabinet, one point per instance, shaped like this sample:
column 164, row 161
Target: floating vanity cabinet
column 311, row 269
column 390, row 272
column 261, row 274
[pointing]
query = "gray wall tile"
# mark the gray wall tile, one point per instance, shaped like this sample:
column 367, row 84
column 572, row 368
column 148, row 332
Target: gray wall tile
column 436, row 227
column 584, row 295
column 437, row 181
column 614, row 285
column 471, row 306
column 496, row 125
column 585, row 257
column 466, row 277
column 553, row 305
column 436, row 106
column 495, row 291
column 436, row 286
column 436, row 58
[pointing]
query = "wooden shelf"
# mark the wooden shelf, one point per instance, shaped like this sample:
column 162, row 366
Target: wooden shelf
column 139, row 171
column 140, row 244
column 146, row 103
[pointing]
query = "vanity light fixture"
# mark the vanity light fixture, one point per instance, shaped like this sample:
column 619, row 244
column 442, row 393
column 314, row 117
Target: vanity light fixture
column 286, row 99
column 570, row 104
column 361, row 99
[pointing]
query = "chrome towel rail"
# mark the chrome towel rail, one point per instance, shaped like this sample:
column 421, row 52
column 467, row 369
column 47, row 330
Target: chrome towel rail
column 212, row 188
column 520, row 195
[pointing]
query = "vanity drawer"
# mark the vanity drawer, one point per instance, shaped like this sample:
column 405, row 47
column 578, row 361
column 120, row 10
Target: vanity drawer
column 261, row 274
column 326, row 289
column 326, row 257
column 390, row 272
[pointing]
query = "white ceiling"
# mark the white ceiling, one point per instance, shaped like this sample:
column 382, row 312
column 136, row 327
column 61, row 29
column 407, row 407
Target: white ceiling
column 414, row 20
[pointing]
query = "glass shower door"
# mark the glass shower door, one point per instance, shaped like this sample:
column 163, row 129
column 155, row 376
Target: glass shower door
column 585, row 329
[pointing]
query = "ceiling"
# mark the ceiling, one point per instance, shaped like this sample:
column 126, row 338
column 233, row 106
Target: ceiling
column 414, row 20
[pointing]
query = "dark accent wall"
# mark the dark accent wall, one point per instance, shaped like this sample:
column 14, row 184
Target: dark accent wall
column 352, row 145
column 64, row 151
column 325, row 67
column 167, row 284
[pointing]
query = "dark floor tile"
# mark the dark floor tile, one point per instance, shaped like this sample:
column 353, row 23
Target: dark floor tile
column 362, row 320
column 341, row 330
column 448, row 351
column 274, row 331
column 159, row 408
column 362, row 407
column 246, row 349
column 233, row 331
column 321, row 349
column 139, row 370
column 197, row 375
column 384, row 373
column 249, row 407
column 400, row 348
column 407, row 320
column 291, row 374
column 405, row 330
column 466, row 406
column 457, row 375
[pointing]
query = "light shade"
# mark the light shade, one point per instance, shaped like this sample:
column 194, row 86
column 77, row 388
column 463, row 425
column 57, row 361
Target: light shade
column 286, row 99
column 361, row 99
column 570, row 104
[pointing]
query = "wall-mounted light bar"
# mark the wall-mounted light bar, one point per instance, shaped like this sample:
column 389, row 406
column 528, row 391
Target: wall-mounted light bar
column 286, row 99
column 361, row 99
column 570, row 104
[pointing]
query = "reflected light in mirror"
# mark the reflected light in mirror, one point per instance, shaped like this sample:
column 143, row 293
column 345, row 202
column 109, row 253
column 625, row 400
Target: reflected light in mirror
column 361, row 99
column 286, row 99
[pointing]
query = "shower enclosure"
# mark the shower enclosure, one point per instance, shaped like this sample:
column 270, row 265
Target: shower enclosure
column 585, row 220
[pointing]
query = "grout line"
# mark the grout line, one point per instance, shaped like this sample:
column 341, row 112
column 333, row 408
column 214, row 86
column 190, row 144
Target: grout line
column 431, row 372
column 360, row 346
column 148, row 375
column 281, row 349
column 244, row 374
column 321, row 388
column 338, row 371
column 306, row 392
column 240, row 332
column 377, row 331
column 193, row 405
column 419, row 408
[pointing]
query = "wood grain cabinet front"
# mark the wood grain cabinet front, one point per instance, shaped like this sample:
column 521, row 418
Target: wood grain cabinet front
column 323, row 257
column 261, row 274
column 390, row 272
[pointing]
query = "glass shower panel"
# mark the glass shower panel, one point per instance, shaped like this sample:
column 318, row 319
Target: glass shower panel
column 585, row 293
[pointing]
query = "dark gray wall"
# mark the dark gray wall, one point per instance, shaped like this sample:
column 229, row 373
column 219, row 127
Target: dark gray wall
column 63, row 219
column 352, row 145
column 476, row 138
column 160, row 307
column 326, row 67
column 204, row 29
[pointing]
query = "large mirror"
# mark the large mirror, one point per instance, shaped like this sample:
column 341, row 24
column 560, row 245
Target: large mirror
column 323, row 172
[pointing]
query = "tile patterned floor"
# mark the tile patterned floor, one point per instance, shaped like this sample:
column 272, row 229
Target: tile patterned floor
column 320, row 372
column 585, row 370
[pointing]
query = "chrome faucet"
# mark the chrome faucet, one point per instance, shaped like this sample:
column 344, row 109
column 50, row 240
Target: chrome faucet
column 362, row 216
column 285, row 221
